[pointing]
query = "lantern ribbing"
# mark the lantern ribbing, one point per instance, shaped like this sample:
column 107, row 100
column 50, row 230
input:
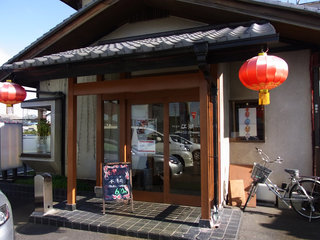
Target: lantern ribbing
column 262, row 73
column 11, row 93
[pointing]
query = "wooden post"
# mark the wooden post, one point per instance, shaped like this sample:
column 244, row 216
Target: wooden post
column 205, row 220
column 72, row 141
column 123, row 134
column 99, row 137
column 166, row 153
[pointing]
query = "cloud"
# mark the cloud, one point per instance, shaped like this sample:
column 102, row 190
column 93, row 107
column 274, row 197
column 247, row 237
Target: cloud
column 4, row 56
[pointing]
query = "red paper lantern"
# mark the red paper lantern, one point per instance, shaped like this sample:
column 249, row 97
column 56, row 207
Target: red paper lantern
column 11, row 93
column 262, row 73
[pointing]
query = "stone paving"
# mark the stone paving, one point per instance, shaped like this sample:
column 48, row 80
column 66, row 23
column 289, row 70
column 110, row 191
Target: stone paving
column 149, row 220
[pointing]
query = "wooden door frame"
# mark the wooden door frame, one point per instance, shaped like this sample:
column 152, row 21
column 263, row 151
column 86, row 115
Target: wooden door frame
column 165, row 98
column 125, row 88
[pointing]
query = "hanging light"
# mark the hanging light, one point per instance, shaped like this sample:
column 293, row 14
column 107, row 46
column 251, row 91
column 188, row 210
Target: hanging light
column 262, row 73
column 11, row 93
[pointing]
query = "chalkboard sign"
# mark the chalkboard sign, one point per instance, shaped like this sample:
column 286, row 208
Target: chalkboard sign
column 117, row 182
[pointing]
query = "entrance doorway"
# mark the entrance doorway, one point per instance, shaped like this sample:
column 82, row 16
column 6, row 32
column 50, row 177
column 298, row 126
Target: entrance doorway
column 162, row 141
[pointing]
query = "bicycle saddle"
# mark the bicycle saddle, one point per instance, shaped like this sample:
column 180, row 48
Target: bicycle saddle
column 292, row 172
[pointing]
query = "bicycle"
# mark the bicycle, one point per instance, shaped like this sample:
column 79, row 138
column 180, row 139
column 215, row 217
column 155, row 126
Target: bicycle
column 304, row 191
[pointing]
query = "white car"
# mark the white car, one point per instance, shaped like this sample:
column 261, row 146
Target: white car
column 142, row 135
column 6, row 219
column 193, row 147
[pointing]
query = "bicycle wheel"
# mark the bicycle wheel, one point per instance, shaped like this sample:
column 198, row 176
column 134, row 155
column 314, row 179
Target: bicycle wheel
column 252, row 192
column 301, row 204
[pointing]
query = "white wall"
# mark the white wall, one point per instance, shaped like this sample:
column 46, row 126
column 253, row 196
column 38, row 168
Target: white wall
column 223, row 76
column 152, row 26
column 86, row 126
column 287, row 119
column 86, row 133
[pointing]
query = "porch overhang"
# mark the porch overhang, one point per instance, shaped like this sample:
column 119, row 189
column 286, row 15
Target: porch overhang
column 226, row 43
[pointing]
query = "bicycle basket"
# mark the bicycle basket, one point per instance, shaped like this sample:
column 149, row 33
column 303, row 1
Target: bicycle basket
column 260, row 173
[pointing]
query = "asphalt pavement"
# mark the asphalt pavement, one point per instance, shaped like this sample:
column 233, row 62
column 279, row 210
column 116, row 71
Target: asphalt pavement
column 265, row 223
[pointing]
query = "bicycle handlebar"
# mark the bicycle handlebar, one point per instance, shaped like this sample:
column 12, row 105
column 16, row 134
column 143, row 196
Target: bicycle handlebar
column 266, row 158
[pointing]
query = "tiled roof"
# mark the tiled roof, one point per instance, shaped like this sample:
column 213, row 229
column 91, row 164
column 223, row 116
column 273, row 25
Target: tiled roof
column 185, row 40
column 291, row 6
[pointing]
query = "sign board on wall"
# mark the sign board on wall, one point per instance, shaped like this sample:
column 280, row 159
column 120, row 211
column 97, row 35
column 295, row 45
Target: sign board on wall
column 247, row 122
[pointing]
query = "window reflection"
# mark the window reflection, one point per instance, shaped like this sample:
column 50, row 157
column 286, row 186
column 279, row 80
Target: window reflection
column 147, row 147
column 184, row 130
column 111, row 132
column 37, row 131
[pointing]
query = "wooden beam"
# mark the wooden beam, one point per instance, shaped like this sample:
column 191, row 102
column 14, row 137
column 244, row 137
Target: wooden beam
column 72, row 141
column 99, row 136
column 145, row 84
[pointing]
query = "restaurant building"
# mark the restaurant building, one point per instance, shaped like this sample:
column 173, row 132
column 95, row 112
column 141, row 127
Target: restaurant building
column 155, row 83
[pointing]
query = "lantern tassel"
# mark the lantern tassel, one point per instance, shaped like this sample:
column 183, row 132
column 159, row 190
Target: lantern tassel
column 264, row 97
column 9, row 109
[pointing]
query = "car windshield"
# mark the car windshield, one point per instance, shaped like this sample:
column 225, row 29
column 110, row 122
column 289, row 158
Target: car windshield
column 179, row 139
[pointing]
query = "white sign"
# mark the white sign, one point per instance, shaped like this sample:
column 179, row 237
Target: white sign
column 147, row 146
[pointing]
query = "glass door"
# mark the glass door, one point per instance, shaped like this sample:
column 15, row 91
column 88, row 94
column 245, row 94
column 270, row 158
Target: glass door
column 184, row 138
column 111, row 131
column 147, row 144
column 165, row 151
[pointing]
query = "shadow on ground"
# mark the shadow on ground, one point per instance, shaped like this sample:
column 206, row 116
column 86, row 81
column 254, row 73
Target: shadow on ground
column 22, row 209
column 272, row 223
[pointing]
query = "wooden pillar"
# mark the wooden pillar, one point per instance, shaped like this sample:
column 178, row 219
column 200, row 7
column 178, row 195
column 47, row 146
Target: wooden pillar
column 72, row 143
column 205, row 220
column 166, row 153
column 99, row 136
column 123, row 135
column 214, row 73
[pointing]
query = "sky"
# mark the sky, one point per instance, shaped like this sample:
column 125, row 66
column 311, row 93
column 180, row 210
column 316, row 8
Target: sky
column 22, row 22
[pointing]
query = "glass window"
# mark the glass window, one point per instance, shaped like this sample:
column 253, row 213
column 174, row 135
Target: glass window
column 37, row 131
column 184, row 138
column 247, row 121
column 147, row 147
column 111, row 132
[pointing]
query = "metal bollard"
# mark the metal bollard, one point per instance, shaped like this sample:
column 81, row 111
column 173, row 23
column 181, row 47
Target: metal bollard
column 43, row 192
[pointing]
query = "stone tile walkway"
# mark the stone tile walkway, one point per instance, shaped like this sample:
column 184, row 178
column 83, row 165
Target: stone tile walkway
column 149, row 220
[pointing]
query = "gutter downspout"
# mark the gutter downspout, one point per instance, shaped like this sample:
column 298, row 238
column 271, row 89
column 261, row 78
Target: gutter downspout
column 315, row 89
column 201, row 51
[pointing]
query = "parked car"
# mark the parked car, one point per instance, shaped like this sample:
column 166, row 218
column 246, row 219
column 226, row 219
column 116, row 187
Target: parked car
column 139, row 160
column 142, row 161
column 178, row 150
column 194, row 148
column 6, row 219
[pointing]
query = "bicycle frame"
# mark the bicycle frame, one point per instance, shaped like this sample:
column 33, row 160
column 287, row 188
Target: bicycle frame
column 297, row 189
column 280, row 192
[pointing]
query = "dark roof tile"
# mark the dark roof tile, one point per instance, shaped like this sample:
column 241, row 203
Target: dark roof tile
column 147, row 45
